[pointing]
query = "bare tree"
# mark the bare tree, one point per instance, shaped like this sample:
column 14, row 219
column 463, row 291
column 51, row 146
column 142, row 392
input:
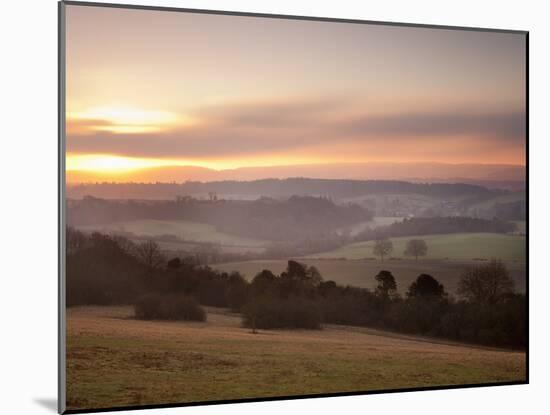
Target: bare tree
column 125, row 244
column 75, row 240
column 416, row 248
column 382, row 247
column 149, row 254
column 485, row 284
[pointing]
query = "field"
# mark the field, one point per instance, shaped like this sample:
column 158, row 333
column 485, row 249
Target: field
column 448, row 255
column 185, row 230
column 188, row 231
column 360, row 273
column 114, row 360
column 461, row 246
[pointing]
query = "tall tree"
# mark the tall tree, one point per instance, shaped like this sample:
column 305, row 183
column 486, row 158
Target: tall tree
column 150, row 256
column 382, row 248
column 387, row 287
column 416, row 248
column 426, row 286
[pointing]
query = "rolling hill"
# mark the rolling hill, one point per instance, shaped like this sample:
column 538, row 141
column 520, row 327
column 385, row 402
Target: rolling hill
column 462, row 246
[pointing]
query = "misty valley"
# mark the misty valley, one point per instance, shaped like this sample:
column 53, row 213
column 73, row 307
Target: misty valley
column 237, row 226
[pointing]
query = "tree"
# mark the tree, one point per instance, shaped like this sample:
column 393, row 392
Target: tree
column 299, row 279
column 426, row 286
column 236, row 291
column 387, row 287
column 486, row 284
column 382, row 247
column 125, row 244
column 150, row 256
column 295, row 271
column 314, row 276
column 263, row 283
column 416, row 248
column 74, row 240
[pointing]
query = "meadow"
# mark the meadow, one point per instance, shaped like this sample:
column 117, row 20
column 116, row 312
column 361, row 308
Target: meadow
column 115, row 360
column 352, row 264
column 448, row 256
column 456, row 246
column 188, row 235
column 186, row 231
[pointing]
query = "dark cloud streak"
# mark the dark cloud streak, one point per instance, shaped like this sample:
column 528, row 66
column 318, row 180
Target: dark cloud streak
column 283, row 127
column 504, row 125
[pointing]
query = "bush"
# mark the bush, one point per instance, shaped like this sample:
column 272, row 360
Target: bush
column 292, row 312
column 168, row 307
column 147, row 307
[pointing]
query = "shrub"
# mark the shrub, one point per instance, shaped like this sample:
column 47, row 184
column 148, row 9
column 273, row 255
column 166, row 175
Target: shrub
column 168, row 307
column 147, row 307
column 292, row 312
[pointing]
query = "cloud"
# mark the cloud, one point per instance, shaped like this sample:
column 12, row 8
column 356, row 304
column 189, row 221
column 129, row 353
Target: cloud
column 318, row 126
column 499, row 125
column 272, row 114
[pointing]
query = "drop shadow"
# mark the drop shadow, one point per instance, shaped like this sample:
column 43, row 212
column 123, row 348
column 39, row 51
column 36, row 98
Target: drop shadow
column 48, row 403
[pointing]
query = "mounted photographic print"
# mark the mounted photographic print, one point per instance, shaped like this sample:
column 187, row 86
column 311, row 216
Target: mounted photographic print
column 258, row 207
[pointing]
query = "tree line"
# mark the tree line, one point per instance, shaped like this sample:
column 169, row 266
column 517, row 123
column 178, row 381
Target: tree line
column 337, row 188
column 487, row 311
column 104, row 269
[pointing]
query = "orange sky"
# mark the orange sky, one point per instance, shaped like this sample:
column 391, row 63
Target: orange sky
column 152, row 89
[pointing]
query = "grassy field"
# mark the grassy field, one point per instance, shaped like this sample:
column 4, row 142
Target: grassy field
column 462, row 246
column 114, row 360
column 192, row 232
column 185, row 230
column 448, row 255
column 360, row 273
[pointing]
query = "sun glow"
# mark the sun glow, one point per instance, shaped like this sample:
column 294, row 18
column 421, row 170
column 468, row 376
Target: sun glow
column 107, row 164
column 112, row 164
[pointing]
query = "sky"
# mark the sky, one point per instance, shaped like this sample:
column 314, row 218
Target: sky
column 153, row 89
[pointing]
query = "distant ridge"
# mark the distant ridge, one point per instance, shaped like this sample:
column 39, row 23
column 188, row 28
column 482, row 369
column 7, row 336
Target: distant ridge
column 417, row 172
column 234, row 189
